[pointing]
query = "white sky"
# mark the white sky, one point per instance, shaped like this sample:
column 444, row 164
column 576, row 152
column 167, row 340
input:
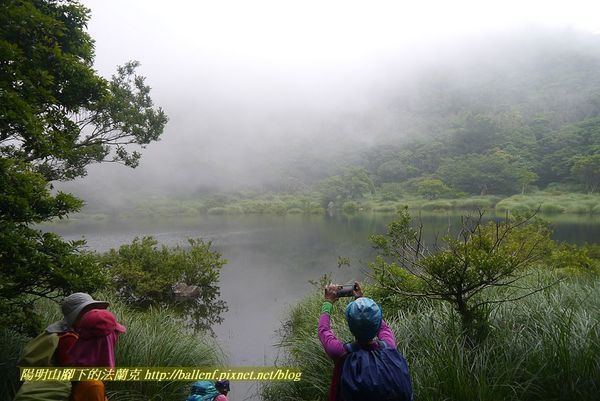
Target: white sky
column 308, row 31
column 225, row 46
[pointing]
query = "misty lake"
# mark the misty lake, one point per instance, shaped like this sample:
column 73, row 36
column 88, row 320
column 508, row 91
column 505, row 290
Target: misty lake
column 271, row 260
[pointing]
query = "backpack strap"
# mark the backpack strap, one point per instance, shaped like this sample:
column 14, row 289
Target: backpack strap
column 349, row 347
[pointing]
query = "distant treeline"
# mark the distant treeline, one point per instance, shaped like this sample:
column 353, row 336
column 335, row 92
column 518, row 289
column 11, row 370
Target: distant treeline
column 480, row 155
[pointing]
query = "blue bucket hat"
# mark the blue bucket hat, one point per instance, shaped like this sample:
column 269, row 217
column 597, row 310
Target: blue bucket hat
column 364, row 318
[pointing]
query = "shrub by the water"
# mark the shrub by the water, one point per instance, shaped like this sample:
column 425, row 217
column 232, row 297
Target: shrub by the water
column 217, row 210
column 437, row 205
column 551, row 208
column 350, row 207
column 144, row 274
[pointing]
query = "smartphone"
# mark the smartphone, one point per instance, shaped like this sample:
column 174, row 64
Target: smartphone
column 346, row 290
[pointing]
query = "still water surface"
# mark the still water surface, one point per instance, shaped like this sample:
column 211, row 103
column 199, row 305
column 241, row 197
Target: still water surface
column 271, row 260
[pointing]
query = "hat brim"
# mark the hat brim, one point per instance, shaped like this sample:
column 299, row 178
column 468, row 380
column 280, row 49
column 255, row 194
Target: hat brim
column 71, row 318
column 58, row 327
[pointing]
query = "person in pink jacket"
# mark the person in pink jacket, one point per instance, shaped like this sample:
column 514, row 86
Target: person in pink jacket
column 365, row 329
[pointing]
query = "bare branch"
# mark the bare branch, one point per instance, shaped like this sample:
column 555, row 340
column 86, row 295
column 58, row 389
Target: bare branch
column 497, row 301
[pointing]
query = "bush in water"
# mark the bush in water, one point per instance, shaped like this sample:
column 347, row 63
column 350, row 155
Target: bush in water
column 145, row 275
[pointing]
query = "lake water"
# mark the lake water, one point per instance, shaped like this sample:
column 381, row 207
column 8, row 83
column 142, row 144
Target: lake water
column 271, row 260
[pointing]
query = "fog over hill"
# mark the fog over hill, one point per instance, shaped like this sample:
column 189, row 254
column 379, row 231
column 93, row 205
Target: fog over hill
column 247, row 129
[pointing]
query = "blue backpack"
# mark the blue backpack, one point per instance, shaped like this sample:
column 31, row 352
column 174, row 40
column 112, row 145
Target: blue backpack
column 375, row 375
column 203, row 391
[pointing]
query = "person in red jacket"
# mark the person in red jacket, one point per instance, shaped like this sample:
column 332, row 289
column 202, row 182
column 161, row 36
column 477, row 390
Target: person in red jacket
column 98, row 332
column 73, row 307
column 52, row 347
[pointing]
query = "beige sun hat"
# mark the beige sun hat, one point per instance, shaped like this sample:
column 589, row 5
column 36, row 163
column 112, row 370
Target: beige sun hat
column 72, row 306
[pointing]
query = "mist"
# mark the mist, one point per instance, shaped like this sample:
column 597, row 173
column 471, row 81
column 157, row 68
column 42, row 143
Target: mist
column 257, row 91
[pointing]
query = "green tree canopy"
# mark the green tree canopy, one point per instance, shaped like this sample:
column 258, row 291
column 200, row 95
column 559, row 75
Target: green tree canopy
column 493, row 173
column 475, row 133
column 432, row 188
column 464, row 267
column 352, row 184
column 57, row 115
column 55, row 111
column 396, row 170
column 146, row 275
column 586, row 170
column 559, row 150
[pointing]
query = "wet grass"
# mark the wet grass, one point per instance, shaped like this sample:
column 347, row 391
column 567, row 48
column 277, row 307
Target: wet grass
column 549, row 202
column 11, row 346
column 544, row 347
column 157, row 338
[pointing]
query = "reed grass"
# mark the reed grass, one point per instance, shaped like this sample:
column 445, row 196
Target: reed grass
column 544, row 347
column 550, row 202
column 11, row 346
column 157, row 338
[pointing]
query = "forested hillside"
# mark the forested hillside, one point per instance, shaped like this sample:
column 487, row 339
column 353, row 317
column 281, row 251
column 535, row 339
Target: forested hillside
column 515, row 117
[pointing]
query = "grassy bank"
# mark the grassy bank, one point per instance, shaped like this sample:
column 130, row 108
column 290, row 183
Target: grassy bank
column 552, row 203
column 549, row 203
column 544, row 347
column 153, row 338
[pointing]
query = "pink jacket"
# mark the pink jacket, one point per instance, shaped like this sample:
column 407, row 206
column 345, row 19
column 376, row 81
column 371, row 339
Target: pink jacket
column 334, row 348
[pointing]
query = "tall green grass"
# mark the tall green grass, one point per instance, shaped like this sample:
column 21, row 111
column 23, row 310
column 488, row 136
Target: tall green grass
column 544, row 347
column 11, row 345
column 551, row 203
column 154, row 338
